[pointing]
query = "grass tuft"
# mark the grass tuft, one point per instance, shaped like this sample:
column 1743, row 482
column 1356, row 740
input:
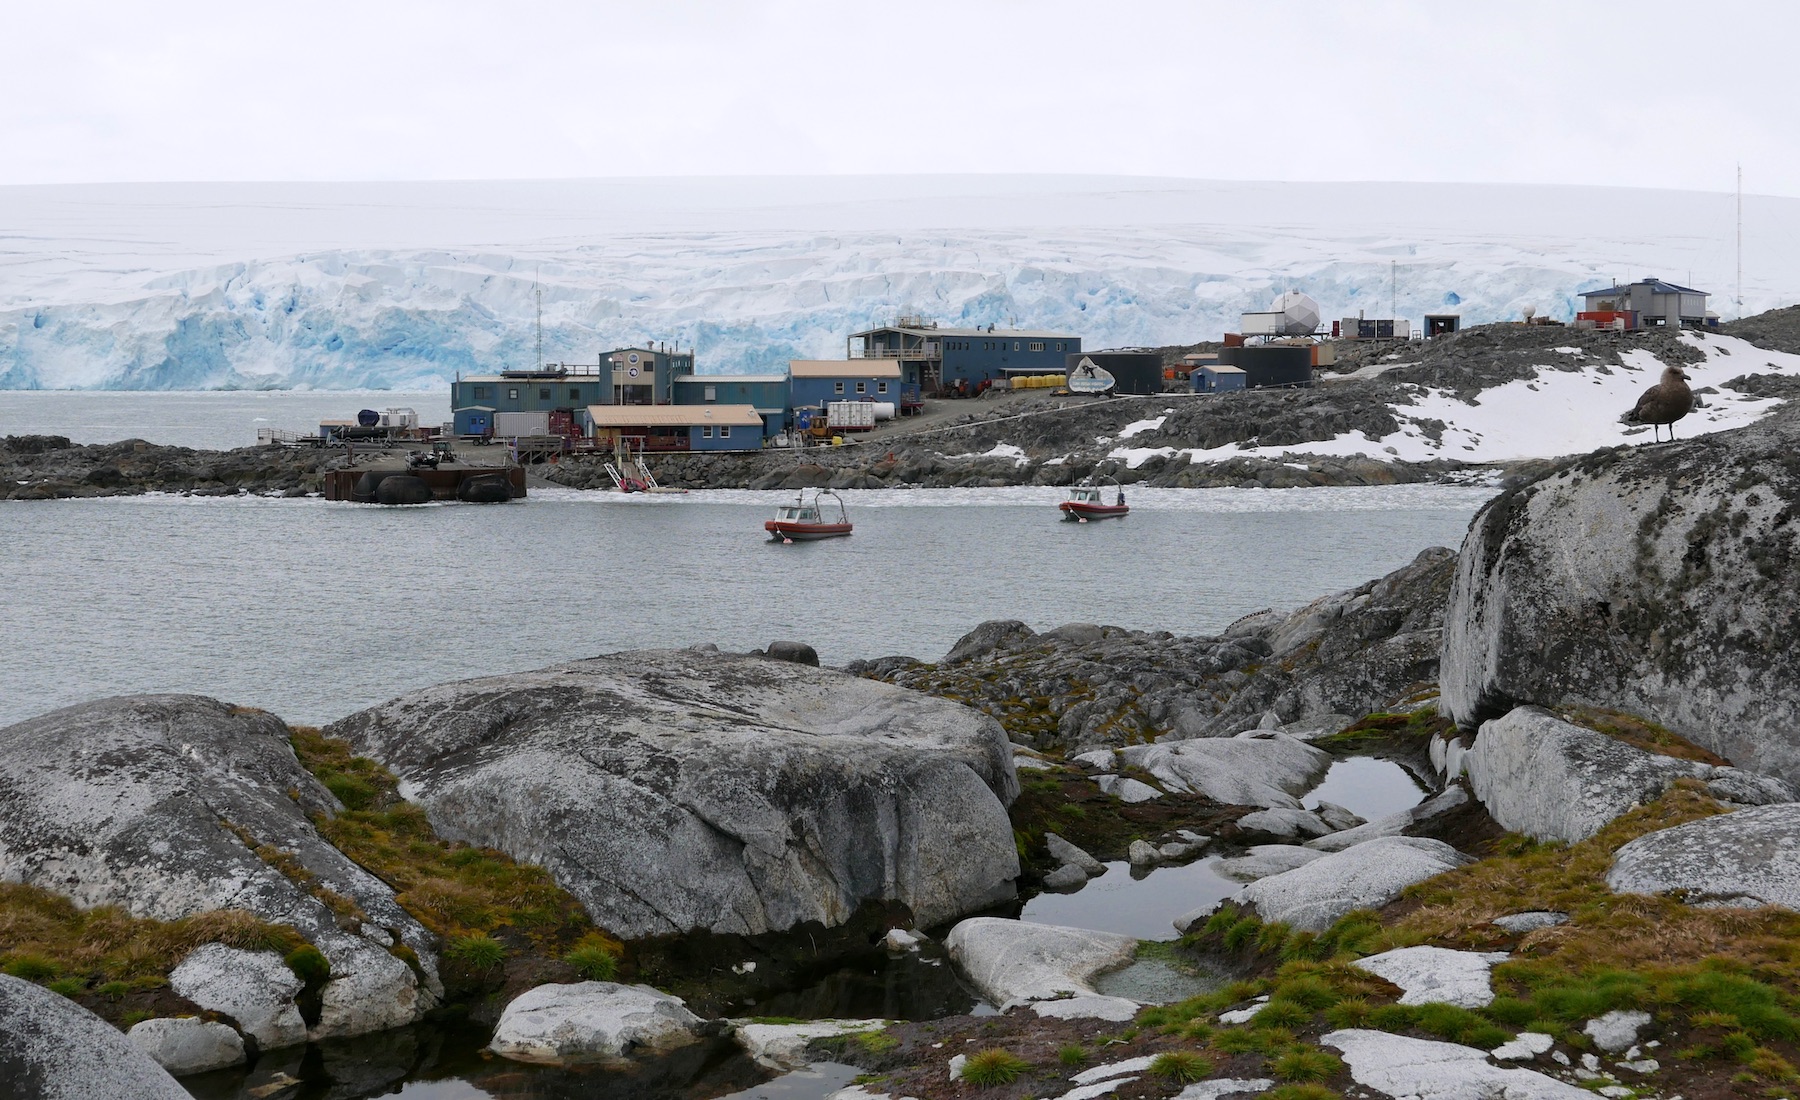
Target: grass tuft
column 994, row 1066
column 1182, row 1067
column 480, row 951
column 1306, row 1064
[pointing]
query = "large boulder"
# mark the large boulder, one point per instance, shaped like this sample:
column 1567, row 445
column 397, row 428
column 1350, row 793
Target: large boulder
column 53, row 1049
column 592, row 1022
column 1313, row 896
column 187, row 1044
column 1255, row 769
column 1653, row 580
column 166, row 805
column 1553, row 780
column 1394, row 824
column 1749, row 858
column 1016, row 962
column 680, row 790
column 1425, row 1069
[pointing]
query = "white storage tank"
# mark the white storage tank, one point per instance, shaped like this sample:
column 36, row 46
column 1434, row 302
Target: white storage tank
column 884, row 410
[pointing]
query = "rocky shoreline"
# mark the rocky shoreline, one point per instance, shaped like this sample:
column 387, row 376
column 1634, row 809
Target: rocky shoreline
column 605, row 862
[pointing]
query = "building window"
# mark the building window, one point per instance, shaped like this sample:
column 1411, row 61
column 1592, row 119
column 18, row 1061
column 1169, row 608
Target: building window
column 706, row 432
column 480, row 392
column 724, row 431
column 862, row 387
column 1015, row 345
column 512, row 393
column 1059, row 346
column 712, row 393
column 575, row 393
column 881, row 387
column 543, row 393
column 837, row 387
column 1036, row 346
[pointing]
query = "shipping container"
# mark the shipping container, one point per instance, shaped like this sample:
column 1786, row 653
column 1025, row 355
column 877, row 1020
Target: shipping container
column 511, row 424
column 850, row 416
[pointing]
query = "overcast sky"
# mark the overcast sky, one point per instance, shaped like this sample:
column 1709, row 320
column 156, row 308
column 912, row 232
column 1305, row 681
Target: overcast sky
column 1646, row 94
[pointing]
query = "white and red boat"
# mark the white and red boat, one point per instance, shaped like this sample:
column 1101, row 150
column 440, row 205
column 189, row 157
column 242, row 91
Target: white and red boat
column 1087, row 502
column 805, row 521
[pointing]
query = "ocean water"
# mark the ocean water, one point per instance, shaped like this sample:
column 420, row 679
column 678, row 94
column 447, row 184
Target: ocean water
column 313, row 609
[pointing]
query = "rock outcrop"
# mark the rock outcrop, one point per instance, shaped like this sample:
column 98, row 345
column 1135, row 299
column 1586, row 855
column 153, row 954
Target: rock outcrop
column 592, row 1022
column 679, row 790
column 53, row 1049
column 1256, row 769
column 1396, row 1065
column 43, row 467
column 1653, row 580
column 1017, row 962
column 1367, row 876
column 1748, row 858
column 1553, row 780
column 1081, row 686
column 187, row 1044
column 1437, row 975
column 171, row 805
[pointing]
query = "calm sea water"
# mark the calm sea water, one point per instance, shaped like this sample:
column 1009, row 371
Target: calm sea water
column 312, row 609
column 209, row 420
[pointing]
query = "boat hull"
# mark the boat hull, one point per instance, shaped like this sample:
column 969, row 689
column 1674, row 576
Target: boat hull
column 1076, row 510
column 804, row 532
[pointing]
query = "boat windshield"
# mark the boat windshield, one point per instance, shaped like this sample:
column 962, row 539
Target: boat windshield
column 1085, row 494
column 797, row 513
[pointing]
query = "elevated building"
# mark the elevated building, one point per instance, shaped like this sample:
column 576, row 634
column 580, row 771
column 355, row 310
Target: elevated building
column 815, row 383
column 768, row 394
column 664, row 428
column 934, row 359
column 1647, row 303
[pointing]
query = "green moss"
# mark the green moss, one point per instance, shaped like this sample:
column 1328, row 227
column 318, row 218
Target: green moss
column 308, row 964
column 876, row 1042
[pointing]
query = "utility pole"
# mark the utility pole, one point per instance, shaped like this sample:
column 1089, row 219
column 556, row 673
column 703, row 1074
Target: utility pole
column 1740, row 238
column 1393, row 289
column 538, row 290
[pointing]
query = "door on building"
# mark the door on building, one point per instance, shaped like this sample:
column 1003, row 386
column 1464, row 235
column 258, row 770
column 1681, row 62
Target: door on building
column 478, row 424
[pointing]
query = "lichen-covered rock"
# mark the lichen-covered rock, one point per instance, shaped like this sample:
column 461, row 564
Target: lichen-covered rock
column 1437, row 975
column 1653, row 580
column 783, row 1046
column 158, row 804
column 1748, row 858
column 255, row 988
column 1082, row 686
column 1366, row 876
column 1264, row 860
column 1284, row 821
column 1262, row 769
column 1393, row 824
column 53, row 1049
column 187, row 1044
column 678, row 790
column 1396, row 1065
column 1553, row 780
column 1012, row 962
column 592, row 1022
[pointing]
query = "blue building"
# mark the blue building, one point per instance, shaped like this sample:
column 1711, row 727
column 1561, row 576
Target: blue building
column 934, row 359
column 768, row 394
column 663, row 428
column 815, row 383
column 477, row 401
column 646, row 376
column 1216, row 378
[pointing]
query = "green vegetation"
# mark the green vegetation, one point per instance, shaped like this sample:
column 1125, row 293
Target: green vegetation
column 1183, row 1067
column 455, row 890
column 47, row 939
column 1072, row 1054
column 479, row 950
column 308, row 964
column 1307, row 1064
column 994, row 1066
column 876, row 1042
column 595, row 958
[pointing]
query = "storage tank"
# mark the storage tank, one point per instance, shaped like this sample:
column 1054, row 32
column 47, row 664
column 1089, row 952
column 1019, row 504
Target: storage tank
column 1138, row 372
column 884, row 410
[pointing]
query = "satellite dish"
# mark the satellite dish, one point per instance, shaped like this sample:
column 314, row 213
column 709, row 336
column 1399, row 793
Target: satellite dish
column 1299, row 313
column 1530, row 312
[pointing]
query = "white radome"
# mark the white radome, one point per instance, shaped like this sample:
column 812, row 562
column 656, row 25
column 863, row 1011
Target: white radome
column 1300, row 314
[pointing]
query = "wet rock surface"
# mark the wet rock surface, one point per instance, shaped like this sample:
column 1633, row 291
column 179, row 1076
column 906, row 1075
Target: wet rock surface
column 679, row 790
column 592, row 1022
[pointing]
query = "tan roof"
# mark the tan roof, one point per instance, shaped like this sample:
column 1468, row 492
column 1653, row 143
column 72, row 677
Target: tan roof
column 843, row 368
column 672, row 416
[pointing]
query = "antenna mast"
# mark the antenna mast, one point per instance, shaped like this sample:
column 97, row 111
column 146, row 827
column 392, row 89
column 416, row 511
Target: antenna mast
column 1393, row 288
column 1740, row 239
column 539, row 292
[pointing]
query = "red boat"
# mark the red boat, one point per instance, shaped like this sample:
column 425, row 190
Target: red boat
column 802, row 521
column 1085, row 503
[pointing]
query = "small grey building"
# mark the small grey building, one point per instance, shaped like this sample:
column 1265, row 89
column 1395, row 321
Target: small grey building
column 1653, row 301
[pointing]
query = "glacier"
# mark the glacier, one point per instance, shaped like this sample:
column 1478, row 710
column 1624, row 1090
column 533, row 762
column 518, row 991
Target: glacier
column 404, row 285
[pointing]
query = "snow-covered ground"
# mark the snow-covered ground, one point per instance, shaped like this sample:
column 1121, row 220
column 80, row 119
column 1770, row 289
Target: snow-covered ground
column 175, row 286
column 1560, row 412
